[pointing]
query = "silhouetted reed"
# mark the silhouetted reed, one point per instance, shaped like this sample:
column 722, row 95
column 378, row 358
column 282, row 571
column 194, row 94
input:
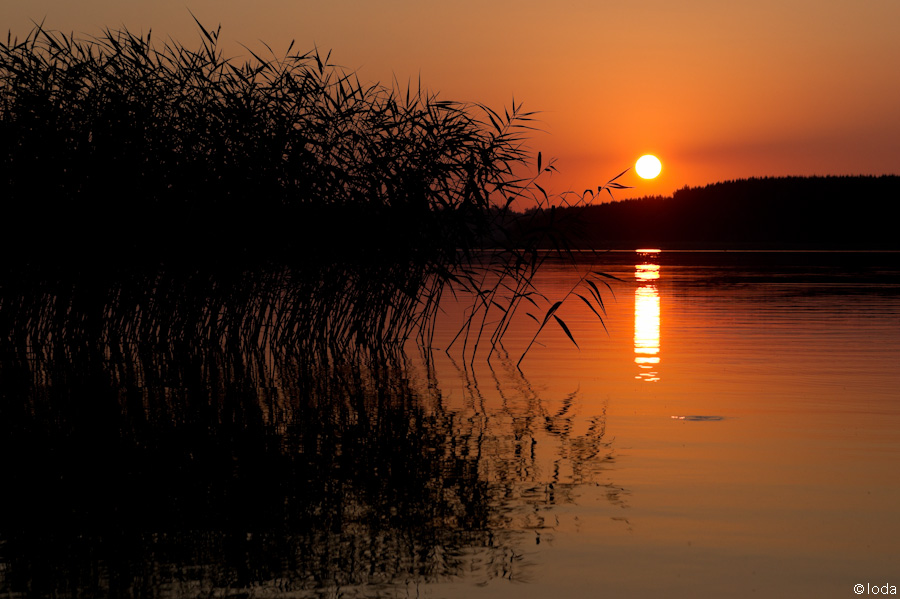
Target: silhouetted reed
column 354, row 207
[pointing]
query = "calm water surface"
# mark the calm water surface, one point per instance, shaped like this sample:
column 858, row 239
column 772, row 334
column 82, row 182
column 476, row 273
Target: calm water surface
column 734, row 430
column 752, row 403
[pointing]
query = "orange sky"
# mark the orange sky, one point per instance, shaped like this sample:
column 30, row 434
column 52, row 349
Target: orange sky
column 717, row 90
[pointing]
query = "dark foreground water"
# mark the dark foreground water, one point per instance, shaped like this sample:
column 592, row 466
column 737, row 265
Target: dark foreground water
column 734, row 431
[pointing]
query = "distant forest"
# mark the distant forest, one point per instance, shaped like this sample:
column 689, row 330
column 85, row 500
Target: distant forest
column 845, row 212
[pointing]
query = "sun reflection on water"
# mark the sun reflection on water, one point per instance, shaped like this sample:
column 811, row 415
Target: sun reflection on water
column 646, row 318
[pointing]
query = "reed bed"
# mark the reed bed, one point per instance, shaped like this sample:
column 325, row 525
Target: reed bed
column 163, row 193
column 211, row 268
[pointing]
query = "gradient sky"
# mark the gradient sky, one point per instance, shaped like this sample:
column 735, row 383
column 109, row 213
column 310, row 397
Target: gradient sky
column 718, row 90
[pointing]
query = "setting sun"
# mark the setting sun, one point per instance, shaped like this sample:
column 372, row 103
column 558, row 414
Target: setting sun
column 648, row 166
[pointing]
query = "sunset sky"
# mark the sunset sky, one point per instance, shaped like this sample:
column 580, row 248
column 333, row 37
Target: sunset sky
column 717, row 90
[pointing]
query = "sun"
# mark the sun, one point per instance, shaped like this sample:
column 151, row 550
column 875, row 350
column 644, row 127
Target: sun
column 648, row 166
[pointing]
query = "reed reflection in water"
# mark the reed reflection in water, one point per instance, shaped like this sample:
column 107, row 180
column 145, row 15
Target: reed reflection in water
column 646, row 318
column 216, row 468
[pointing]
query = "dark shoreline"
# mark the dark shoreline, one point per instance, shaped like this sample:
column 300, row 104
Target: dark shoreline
column 794, row 213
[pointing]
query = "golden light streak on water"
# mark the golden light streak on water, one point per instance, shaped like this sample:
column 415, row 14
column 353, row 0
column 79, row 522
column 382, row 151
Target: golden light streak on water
column 646, row 272
column 646, row 320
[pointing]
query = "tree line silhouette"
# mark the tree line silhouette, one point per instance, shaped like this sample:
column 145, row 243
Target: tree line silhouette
column 833, row 212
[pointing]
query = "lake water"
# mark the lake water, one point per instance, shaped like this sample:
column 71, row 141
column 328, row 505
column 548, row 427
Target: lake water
column 732, row 429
